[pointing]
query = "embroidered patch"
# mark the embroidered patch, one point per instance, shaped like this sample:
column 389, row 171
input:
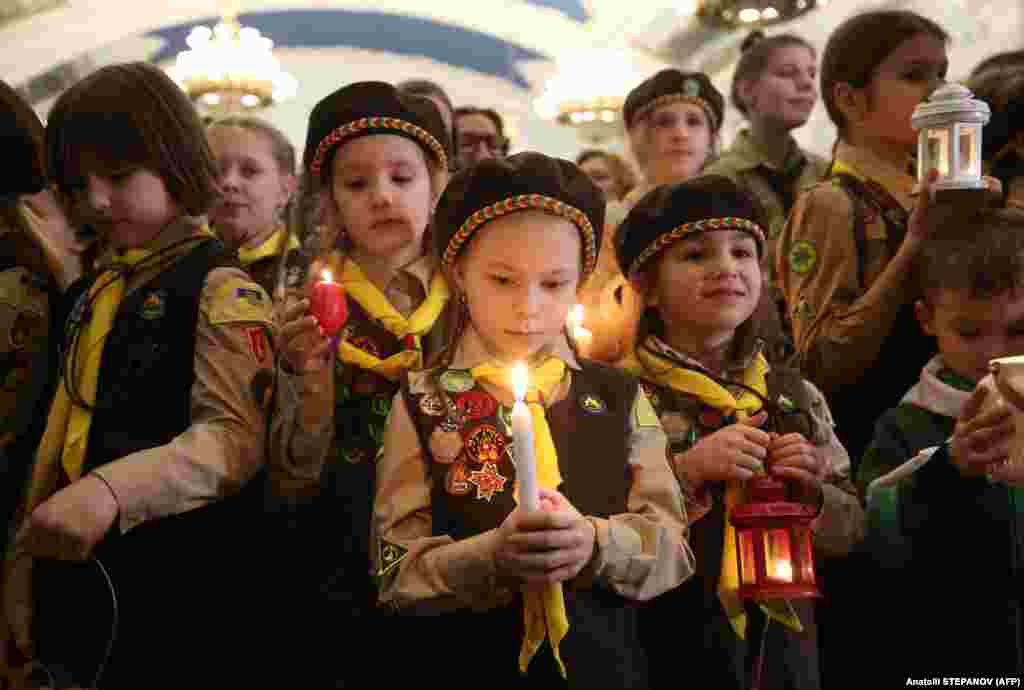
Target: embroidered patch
column 250, row 295
column 485, row 444
column 488, row 481
column 445, row 446
column 643, row 412
column 389, row 556
column 456, row 480
column 154, row 306
column 802, row 257
column 592, row 404
column 21, row 330
column 257, row 343
column 456, row 380
column 476, row 404
column 432, row 405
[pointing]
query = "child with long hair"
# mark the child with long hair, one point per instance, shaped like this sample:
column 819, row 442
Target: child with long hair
column 693, row 251
column 523, row 596
column 843, row 258
column 128, row 487
column 378, row 161
column 257, row 178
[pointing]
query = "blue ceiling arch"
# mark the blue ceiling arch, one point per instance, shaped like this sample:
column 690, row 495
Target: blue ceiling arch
column 573, row 9
column 393, row 33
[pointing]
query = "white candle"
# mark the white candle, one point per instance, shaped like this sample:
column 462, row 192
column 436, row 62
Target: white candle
column 522, row 442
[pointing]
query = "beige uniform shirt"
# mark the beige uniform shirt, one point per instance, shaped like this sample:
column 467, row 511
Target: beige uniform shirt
column 638, row 554
column 224, row 446
column 740, row 164
column 839, row 324
column 840, row 525
column 302, row 428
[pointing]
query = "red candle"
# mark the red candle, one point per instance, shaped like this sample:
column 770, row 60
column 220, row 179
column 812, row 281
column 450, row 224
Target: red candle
column 328, row 305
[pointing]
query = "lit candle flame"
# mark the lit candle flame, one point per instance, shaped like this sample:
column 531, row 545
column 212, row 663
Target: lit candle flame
column 520, row 380
column 325, row 275
column 783, row 570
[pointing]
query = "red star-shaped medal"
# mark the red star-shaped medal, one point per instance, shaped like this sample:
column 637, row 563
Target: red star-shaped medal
column 487, row 481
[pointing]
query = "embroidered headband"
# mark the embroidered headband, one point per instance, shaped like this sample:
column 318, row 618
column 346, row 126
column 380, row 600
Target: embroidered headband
column 705, row 225
column 360, row 126
column 669, row 99
column 526, row 202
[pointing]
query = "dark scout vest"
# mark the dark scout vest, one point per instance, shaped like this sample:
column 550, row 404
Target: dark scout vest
column 473, row 493
column 904, row 351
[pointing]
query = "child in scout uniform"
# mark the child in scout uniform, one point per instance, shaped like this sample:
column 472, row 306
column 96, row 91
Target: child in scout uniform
column 774, row 88
column 126, row 482
column 35, row 266
column 694, row 252
column 843, row 259
column 378, row 159
column 480, row 589
column 257, row 178
column 939, row 496
column 673, row 120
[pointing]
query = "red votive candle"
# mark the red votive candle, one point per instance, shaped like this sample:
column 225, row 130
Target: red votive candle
column 328, row 305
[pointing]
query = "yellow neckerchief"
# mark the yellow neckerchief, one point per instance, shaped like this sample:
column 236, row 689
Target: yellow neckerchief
column 67, row 428
column 646, row 365
column 377, row 306
column 543, row 608
column 272, row 246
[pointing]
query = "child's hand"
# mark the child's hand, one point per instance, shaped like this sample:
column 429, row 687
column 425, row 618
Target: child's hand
column 981, row 440
column 792, row 457
column 917, row 226
column 736, row 452
column 69, row 524
column 548, row 545
column 303, row 344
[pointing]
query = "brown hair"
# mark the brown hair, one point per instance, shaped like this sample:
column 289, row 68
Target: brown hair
column 132, row 114
column 981, row 251
column 427, row 89
column 622, row 171
column 756, row 52
column 862, row 43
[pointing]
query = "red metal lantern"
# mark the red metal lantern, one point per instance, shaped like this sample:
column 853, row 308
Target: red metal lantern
column 774, row 549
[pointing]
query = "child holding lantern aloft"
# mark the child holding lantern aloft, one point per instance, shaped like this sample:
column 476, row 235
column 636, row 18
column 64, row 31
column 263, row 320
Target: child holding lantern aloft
column 378, row 160
column 694, row 252
column 543, row 593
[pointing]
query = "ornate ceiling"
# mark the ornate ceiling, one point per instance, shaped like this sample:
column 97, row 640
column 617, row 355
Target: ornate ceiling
column 496, row 53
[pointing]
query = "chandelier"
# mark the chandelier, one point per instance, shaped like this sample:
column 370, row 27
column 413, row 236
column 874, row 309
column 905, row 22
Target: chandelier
column 738, row 14
column 588, row 90
column 231, row 68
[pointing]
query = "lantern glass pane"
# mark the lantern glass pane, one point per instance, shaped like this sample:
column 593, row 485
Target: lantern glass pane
column 748, row 562
column 777, row 555
column 806, row 555
column 937, row 151
column 970, row 161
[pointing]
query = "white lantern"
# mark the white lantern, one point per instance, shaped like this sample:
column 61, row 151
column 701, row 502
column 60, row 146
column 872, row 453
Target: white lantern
column 950, row 124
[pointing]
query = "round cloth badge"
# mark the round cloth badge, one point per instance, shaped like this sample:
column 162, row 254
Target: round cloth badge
column 802, row 257
column 488, row 481
column 476, row 404
column 591, row 404
column 432, row 405
column 457, row 380
column 457, row 479
column 445, row 446
column 485, row 444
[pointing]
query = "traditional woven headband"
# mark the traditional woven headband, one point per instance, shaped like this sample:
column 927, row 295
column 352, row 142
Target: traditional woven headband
column 671, row 98
column 358, row 126
column 705, row 225
column 526, row 202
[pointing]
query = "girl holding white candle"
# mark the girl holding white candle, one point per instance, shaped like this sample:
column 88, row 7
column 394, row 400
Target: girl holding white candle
column 535, row 595
column 378, row 160
column 694, row 252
